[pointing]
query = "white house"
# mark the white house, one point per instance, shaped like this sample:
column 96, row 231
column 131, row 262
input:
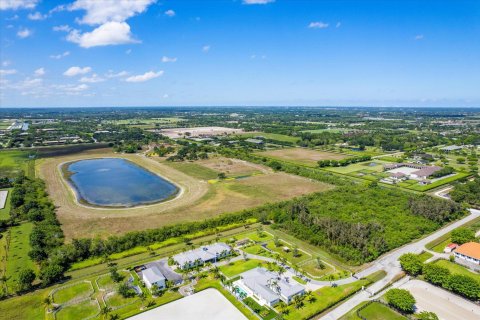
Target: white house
column 468, row 252
column 267, row 288
column 202, row 255
column 153, row 276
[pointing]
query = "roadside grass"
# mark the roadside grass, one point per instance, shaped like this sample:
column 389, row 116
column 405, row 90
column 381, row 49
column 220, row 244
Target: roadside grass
column 5, row 212
column 379, row 311
column 457, row 269
column 235, row 268
column 424, row 256
column 299, row 280
column 76, row 291
column 17, row 257
column 82, row 310
column 325, row 298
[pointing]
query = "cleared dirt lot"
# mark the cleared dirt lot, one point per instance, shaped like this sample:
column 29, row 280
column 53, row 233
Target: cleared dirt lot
column 446, row 305
column 199, row 199
column 301, row 155
column 232, row 167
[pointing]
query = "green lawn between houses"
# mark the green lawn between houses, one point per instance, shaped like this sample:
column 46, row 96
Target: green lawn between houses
column 235, row 268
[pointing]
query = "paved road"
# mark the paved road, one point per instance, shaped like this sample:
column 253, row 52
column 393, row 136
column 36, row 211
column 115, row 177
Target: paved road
column 390, row 264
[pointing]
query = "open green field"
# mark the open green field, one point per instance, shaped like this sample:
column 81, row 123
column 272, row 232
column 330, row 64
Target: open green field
column 28, row 306
column 379, row 311
column 272, row 136
column 78, row 290
column 332, row 130
column 235, row 268
column 106, row 282
column 12, row 162
column 82, row 310
column 312, row 269
column 193, row 169
column 4, row 124
column 5, row 212
column 374, row 166
column 300, row 257
column 457, row 269
column 3, row 260
column 17, row 258
column 301, row 156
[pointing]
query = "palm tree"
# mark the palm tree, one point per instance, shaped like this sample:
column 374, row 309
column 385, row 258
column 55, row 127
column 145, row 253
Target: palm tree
column 310, row 297
column 106, row 311
column 298, row 301
column 283, row 307
column 281, row 270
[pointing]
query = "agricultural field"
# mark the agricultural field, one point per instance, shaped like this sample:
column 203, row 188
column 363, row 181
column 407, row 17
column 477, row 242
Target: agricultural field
column 301, row 156
column 150, row 123
column 17, row 255
column 197, row 200
column 271, row 136
column 4, row 124
column 12, row 162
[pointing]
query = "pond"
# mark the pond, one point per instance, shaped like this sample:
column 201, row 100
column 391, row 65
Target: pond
column 115, row 182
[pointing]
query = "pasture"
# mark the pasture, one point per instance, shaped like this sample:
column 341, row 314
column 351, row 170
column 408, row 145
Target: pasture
column 12, row 162
column 301, row 156
column 197, row 200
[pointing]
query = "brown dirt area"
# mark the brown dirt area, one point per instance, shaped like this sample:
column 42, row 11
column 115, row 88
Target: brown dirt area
column 200, row 200
column 232, row 167
column 302, row 155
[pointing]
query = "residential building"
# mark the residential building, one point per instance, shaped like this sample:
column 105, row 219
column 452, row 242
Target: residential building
column 267, row 288
column 202, row 255
column 152, row 276
column 468, row 252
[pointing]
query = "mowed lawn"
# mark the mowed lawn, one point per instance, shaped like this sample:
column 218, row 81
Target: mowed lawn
column 378, row 311
column 18, row 249
column 83, row 310
column 235, row 268
column 75, row 291
column 457, row 269
column 12, row 162
column 301, row 156
column 5, row 212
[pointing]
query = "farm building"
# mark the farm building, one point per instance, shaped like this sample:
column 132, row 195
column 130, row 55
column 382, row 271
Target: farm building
column 267, row 288
column 202, row 255
column 152, row 276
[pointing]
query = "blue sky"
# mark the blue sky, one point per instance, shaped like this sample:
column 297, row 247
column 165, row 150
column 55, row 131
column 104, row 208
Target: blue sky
column 70, row 53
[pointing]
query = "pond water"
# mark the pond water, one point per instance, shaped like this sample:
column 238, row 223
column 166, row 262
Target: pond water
column 114, row 182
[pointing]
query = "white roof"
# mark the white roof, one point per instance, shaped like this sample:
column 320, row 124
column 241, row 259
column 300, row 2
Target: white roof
column 260, row 280
column 203, row 253
column 153, row 275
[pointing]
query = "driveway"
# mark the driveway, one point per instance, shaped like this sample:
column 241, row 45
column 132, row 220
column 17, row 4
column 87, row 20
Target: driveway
column 446, row 305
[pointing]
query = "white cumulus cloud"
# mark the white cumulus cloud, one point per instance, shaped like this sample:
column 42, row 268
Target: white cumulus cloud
column 6, row 72
column 318, row 25
column 24, row 33
column 93, row 79
column 64, row 28
column 170, row 13
column 110, row 33
column 37, row 16
column 166, row 59
column 17, row 4
column 144, row 77
column 206, row 48
column 109, row 16
column 40, row 72
column 75, row 71
column 60, row 55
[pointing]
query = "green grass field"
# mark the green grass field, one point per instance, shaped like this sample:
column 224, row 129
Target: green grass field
column 83, row 310
column 301, row 256
column 311, row 268
column 78, row 290
column 357, row 167
column 3, row 262
column 116, row 300
column 12, row 162
column 272, row 136
column 5, row 212
column 262, row 237
column 194, row 170
column 457, row 269
column 424, row 256
column 235, row 268
column 18, row 249
column 28, row 306
column 105, row 282
column 378, row 311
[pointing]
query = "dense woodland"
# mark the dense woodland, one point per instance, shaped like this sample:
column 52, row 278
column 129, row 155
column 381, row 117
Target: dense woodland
column 468, row 192
column 360, row 223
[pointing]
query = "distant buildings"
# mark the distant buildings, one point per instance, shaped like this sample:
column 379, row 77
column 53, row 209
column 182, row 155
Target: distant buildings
column 202, row 132
column 202, row 255
column 152, row 276
column 267, row 288
column 468, row 253
column 451, row 148
column 402, row 171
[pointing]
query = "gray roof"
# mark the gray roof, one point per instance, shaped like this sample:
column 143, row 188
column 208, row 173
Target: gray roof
column 260, row 279
column 153, row 275
column 204, row 253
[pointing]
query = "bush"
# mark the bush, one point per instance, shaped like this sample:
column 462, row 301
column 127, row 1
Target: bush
column 401, row 299
column 411, row 264
column 462, row 235
column 436, row 274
